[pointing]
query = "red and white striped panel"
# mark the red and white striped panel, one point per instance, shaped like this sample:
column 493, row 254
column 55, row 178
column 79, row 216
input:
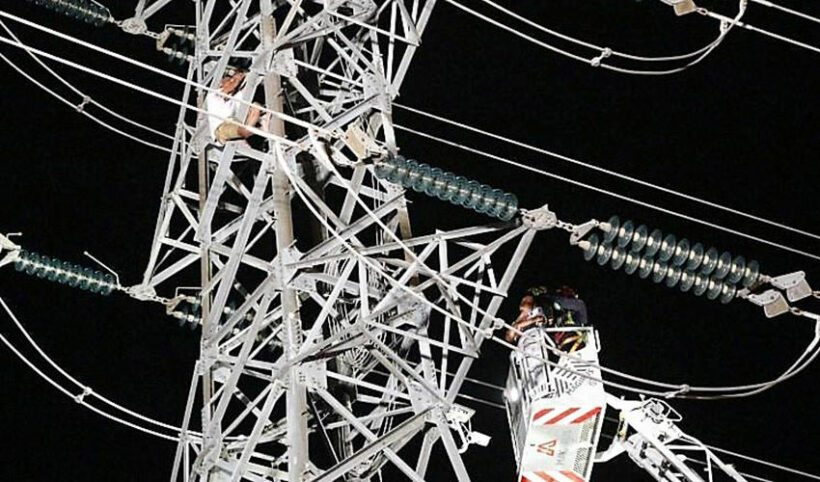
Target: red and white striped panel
column 551, row 476
column 567, row 416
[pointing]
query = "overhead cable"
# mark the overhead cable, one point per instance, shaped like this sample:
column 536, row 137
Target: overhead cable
column 607, row 192
column 143, row 90
column 744, row 474
column 77, row 383
column 782, row 38
column 81, row 110
column 142, row 65
column 80, row 398
column 83, row 95
column 766, row 463
column 265, row 134
column 613, row 52
column 787, row 10
column 598, row 61
column 677, row 389
column 607, row 171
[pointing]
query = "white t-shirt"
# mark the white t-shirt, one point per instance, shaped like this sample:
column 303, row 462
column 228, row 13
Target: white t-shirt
column 220, row 107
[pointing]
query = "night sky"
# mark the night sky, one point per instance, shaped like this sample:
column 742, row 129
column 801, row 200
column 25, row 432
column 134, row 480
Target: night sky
column 739, row 129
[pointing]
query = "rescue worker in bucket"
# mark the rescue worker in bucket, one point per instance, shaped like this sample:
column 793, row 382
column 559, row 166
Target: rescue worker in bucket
column 558, row 308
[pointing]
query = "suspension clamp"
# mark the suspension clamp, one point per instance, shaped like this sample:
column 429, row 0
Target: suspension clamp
column 134, row 26
column 539, row 219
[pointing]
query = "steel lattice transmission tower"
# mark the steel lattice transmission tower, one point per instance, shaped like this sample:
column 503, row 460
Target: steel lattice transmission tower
column 324, row 361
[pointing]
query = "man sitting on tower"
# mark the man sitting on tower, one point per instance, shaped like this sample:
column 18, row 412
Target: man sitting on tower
column 224, row 106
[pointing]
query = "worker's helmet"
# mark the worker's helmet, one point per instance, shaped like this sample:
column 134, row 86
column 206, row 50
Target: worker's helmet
column 560, row 305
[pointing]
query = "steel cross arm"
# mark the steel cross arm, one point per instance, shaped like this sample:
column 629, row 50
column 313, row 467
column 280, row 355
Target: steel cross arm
column 462, row 263
column 350, row 230
column 403, row 430
column 373, row 28
column 344, row 412
column 227, row 328
column 464, row 367
column 368, row 385
column 492, row 309
column 410, row 242
column 391, row 298
column 164, row 216
column 319, row 322
column 182, row 445
column 220, row 249
column 422, row 338
column 254, row 472
column 372, row 416
column 251, row 406
column 230, row 43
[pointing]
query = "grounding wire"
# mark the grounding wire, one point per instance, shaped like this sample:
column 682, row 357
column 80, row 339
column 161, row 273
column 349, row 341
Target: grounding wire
column 764, row 462
column 598, row 61
column 79, row 109
column 76, row 382
column 80, row 398
column 606, row 192
column 82, row 94
column 150, row 68
column 603, row 170
column 592, row 46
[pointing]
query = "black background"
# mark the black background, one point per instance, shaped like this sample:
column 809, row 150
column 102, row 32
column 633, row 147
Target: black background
column 739, row 129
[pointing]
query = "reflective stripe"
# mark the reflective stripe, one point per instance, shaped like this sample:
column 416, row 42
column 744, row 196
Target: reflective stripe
column 541, row 413
column 595, row 411
column 562, row 415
